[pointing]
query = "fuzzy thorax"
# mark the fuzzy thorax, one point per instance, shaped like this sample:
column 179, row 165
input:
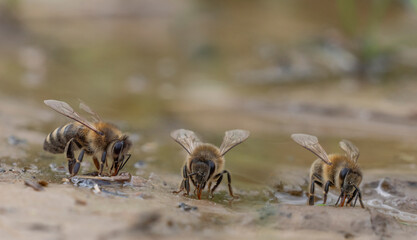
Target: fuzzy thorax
column 331, row 172
column 206, row 152
column 101, row 142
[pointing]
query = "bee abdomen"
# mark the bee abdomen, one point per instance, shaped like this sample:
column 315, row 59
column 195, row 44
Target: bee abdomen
column 56, row 141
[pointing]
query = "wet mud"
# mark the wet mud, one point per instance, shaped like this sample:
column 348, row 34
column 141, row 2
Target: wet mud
column 40, row 202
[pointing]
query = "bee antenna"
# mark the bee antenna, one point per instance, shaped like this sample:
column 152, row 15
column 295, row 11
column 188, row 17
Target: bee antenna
column 191, row 174
column 125, row 161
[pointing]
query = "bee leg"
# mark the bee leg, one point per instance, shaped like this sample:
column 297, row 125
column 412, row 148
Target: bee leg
column 182, row 186
column 349, row 202
column 219, row 180
column 342, row 198
column 209, row 189
column 113, row 166
column 186, row 180
column 360, row 199
column 338, row 199
column 69, row 152
column 356, row 199
column 96, row 163
column 103, row 160
column 311, row 195
column 78, row 162
column 313, row 181
column 229, row 183
column 326, row 190
column 122, row 165
column 185, row 184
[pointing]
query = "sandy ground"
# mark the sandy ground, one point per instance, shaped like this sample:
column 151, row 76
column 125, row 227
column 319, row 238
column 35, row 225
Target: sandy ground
column 148, row 209
column 67, row 212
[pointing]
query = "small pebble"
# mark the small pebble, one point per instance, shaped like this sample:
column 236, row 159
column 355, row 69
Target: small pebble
column 12, row 140
column 186, row 207
column 96, row 189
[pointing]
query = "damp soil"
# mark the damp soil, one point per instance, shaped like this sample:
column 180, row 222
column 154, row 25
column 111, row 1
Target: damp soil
column 269, row 176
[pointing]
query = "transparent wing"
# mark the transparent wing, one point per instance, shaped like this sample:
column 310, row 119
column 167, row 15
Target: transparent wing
column 233, row 138
column 87, row 109
column 351, row 150
column 66, row 110
column 186, row 138
column 311, row 143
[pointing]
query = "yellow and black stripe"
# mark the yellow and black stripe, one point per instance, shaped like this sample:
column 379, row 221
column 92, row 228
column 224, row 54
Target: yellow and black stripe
column 56, row 141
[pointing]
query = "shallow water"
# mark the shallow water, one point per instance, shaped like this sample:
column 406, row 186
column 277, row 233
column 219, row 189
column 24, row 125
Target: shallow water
column 152, row 73
column 259, row 183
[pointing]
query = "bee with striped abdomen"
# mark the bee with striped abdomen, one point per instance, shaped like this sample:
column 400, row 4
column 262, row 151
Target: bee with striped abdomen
column 205, row 162
column 98, row 139
column 336, row 171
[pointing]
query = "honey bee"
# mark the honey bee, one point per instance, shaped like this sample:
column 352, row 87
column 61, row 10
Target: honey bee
column 334, row 171
column 98, row 139
column 205, row 162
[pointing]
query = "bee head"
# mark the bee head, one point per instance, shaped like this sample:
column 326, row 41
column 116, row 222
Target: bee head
column 119, row 150
column 201, row 172
column 350, row 181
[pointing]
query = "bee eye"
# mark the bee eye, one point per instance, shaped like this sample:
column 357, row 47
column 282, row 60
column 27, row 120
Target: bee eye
column 118, row 147
column 344, row 172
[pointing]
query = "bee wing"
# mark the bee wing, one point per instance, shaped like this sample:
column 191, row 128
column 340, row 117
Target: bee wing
column 186, row 138
column 66, row 110
column 233, row 138
column 87, row 109
column 311, row 143
column 351, row 150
